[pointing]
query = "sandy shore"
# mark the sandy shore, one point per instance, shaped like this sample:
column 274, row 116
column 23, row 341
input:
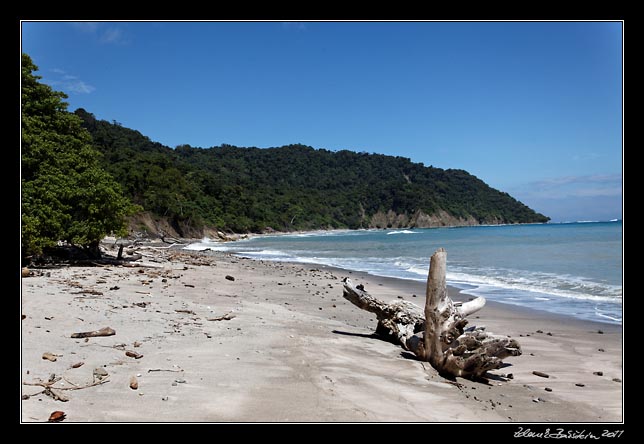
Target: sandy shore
column 293, row 350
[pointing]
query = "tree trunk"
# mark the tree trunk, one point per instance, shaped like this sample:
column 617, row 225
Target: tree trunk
column 439, row 336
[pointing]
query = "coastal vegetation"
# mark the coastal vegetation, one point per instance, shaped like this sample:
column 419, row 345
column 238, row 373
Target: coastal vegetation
column 66, row 194
column 293, row 187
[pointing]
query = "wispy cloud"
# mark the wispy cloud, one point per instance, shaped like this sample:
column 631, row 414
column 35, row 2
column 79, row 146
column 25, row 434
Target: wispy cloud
column 69, row 83
column 297, row 26
column 103, row 32
column 567, row 180
column 573, row 186
column 113, row 35
column 88, row 27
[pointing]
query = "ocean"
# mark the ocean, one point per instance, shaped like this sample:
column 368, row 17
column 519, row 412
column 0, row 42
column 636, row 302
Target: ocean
column 573, row 269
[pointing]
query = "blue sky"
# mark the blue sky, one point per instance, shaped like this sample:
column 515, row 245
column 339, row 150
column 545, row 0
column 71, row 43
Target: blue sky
column 531, row 108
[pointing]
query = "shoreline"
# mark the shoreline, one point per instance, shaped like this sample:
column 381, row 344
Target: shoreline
column 563, row 317
column 294, row 350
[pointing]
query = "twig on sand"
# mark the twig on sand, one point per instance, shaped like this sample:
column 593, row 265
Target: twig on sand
column 105, row 331
column 49, row 386
column 186, row 311
column 164, row 370
column 226, row 317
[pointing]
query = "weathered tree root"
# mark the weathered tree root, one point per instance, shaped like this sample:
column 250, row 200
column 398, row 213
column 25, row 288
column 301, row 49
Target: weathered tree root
column 438, row 335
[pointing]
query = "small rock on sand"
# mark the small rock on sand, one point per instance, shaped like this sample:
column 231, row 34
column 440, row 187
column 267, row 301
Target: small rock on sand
column 598, row 373
column 548, row 389
column 230, row 278
column 542, row 374
column 579, row 384
column 49, row 356
column 56, row 416
column 100, row 372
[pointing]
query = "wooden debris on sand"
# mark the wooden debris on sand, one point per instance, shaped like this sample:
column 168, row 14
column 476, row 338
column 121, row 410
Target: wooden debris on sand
column 437, row 334
column 105, row 331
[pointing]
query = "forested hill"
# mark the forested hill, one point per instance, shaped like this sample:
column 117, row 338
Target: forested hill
column 293, row 187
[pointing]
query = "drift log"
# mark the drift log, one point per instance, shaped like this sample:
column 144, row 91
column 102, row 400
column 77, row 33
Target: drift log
column 437, row 334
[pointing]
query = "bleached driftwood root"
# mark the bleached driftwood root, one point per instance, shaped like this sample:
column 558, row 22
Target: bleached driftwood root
column 438, row 333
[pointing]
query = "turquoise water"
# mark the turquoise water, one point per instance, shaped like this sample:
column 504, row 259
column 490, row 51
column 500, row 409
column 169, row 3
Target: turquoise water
column 573, row 268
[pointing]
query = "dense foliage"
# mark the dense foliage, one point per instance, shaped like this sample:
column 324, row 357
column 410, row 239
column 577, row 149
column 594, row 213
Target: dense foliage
column 290, row 187
column 66, row 194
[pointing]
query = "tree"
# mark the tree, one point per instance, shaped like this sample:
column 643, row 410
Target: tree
column 66, row 195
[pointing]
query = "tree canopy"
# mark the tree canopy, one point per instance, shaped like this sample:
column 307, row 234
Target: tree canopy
column 293, row 187
column 66, row 194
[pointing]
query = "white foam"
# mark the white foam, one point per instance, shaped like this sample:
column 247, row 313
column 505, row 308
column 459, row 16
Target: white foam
column 544, row 283
column 201, row 246
column 402, row 232
column 604, row 315
column 261, row 253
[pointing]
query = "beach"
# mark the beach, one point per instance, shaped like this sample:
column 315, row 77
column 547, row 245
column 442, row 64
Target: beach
column 218, row 338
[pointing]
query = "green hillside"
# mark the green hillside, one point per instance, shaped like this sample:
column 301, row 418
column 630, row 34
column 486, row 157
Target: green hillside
column 293, row 187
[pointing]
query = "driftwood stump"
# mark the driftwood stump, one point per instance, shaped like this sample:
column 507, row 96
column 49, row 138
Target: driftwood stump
column 437, row 334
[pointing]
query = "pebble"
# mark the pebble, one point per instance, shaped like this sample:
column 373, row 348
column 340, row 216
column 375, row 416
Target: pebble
column 49, row 356
column 180, row 381
column 598, row 373
column 600, row 332
column 230, row 278
column 617, row 380
column 542, row 374
column 549, row 334
column 539, row 331
column 579, row 384
column 99, row 371
column 601, row 350
column 510, row 376
column 164, row 398
column 548, row 389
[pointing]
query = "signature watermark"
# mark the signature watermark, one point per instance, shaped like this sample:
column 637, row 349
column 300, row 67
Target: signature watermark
column 561, row 433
